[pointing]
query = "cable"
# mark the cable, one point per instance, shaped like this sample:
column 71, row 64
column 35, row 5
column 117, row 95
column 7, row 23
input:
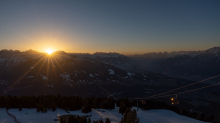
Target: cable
column 171, row 90
column 106, row 91
column 186, row 91
column 184, row 86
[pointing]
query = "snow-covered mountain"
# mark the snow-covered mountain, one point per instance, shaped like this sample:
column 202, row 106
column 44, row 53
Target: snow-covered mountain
column 193, row 65
column 115, row 59
column 34, row 69
column 58, row 67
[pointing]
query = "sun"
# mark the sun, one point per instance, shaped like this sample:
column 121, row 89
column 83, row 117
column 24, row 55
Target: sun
column 49, row 51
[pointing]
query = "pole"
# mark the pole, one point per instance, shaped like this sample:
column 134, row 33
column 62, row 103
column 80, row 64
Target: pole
column 137, row 104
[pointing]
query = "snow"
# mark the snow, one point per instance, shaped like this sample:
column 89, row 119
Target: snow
column 147, row 116
column 215, row 51
column 31, row 115
column 125, row 77
column 2, row 59
column 96, row 74
column 90, row 75
column 100, row 54
column 30, row 77
column 164, row 116
column 7, row 65
column 193, row 55
column 66, row 76
column 44, row 77
column 111, row 71
column 129, row 74
column 50, row 86
column 4, row 117
column 117, row 61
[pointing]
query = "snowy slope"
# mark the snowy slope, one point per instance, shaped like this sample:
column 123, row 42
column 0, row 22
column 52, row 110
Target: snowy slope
column 164, row 116
column 31, row 115
column 4, row 117
column 149, row 116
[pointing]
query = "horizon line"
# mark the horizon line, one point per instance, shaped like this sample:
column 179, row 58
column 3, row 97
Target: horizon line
column 69, row 52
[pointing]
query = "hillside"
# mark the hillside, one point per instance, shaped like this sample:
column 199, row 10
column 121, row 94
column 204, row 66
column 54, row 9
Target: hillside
column 34, row 71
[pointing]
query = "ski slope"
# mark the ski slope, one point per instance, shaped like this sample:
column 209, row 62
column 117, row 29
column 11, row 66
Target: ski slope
column 149, row 116
column 4, row 117
column 164, row 116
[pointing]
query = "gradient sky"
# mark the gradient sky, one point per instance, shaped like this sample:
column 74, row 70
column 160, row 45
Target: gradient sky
column 123, row 26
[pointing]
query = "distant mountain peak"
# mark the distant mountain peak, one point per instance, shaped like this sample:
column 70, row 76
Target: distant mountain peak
column 103, row 54
column 214, row 50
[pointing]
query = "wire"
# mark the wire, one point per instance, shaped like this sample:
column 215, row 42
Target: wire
column 157, row 95
column 188, row 91
column 184, row 86
column 106, row 91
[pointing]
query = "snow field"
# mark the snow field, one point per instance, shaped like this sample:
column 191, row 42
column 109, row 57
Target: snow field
column 149, row 116
column 31, row 115
column 164, row 116
column 4, row 117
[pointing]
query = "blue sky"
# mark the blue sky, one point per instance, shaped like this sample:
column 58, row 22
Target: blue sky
column 123, row 26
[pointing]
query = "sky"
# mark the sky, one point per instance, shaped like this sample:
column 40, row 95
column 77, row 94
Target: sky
column 122, row 26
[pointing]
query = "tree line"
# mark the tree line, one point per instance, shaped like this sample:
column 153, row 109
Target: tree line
column 51, row 102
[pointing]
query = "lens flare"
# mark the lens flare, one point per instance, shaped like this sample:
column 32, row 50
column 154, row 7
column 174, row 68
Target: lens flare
column 49, row 51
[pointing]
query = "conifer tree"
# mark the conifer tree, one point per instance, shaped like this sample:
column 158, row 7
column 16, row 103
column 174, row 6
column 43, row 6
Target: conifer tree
column 107, row 120
column 20, row 107
column 62, row 120
column 45, row 109
column 41, row 108
column 94, row 103
column 53, row 106
column 89, row 120
column 38, row 108
column 101, row 121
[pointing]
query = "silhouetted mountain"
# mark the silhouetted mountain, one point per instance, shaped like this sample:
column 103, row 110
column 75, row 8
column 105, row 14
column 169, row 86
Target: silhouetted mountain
column 35, row 69
column 36, row 73
column 193, row 65
column 57, row 66
column 115, row 59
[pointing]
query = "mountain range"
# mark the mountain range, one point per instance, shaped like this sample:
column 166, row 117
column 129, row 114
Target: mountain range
column 193, row 65
column 112, row 74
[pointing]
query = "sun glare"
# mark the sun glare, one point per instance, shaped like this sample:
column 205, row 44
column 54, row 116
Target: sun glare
column 49, row 51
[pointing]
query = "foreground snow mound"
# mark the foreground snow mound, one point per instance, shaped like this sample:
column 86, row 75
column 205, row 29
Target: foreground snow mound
column 148, row 116
column 4, row 117
column 31, row 115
